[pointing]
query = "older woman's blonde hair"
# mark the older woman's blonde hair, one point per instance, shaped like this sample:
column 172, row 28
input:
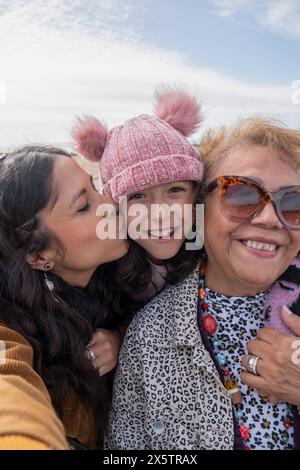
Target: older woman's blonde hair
column 256, row 131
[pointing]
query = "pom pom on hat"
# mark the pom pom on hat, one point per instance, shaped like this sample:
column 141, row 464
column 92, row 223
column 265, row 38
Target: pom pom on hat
column 89, row 138
column 147, row 150
column 179, row 109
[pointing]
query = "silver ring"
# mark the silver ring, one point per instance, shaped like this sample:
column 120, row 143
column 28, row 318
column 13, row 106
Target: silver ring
column 252, row 364
column 91, row 353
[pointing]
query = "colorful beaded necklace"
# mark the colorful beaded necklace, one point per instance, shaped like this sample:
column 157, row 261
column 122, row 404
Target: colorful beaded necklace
column 210, row 326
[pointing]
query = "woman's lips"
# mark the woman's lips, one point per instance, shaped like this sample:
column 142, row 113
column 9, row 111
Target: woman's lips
column 261, row 248
column 161, row 236
column 162, row 240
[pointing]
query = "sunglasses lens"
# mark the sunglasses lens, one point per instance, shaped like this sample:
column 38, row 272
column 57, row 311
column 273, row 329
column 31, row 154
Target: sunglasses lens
column 240, row 201
column 290, row 208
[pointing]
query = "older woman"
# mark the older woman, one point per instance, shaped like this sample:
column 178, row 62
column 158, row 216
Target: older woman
column 54, row 294
column 179, row 384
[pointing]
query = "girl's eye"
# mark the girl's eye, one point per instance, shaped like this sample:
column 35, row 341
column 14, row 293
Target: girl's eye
column 136, row 196
column 85, row 208
column 176, row 189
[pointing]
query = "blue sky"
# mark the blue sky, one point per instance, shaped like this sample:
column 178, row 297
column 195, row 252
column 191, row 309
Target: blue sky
column 237, row 44
column 63, row 58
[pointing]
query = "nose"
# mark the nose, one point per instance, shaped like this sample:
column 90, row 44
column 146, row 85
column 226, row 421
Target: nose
column 267, row 217
column 160, row 215
column 158, row 198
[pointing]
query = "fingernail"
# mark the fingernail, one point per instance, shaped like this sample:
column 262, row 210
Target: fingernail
column 287, row 310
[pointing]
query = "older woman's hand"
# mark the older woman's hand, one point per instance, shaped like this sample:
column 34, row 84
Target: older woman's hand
column 279, row 365
column 103, row 350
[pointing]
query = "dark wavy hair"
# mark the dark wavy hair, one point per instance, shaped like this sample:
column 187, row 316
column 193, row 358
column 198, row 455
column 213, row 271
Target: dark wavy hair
column 57, row 327
column 134, row 271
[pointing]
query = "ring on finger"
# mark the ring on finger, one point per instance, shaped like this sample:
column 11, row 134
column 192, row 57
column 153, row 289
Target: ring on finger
column 252, row 364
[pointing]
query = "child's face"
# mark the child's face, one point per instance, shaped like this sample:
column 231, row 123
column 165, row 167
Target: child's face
column 167, row 217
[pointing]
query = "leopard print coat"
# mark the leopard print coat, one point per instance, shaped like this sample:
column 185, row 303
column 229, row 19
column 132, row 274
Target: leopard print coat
column 167, row 392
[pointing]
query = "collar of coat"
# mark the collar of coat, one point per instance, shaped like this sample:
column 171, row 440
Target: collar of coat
column 179, row 303
column 173, row 319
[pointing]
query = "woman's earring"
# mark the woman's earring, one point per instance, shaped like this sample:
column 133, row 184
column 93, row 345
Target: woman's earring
column 48, row 283
column 48, row 266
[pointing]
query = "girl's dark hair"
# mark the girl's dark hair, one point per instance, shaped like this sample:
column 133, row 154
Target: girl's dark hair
column 134, row 271
column 58, row 329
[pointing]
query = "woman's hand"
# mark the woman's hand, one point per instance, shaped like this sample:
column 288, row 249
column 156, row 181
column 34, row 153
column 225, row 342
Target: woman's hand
column 103, row 350
column 279, row 365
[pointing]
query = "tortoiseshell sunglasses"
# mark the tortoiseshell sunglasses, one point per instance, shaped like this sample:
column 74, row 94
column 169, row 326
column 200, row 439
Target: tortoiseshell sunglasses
column 243, row 198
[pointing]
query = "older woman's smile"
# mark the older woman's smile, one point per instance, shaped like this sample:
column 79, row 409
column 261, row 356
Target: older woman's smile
column 260, row 248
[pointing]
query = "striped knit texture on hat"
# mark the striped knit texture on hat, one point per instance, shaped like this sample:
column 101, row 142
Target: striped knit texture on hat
column 146, row 152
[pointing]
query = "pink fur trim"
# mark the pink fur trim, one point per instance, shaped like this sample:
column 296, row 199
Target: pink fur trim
column 276, row 299
column 179, row 109
column 89, row 138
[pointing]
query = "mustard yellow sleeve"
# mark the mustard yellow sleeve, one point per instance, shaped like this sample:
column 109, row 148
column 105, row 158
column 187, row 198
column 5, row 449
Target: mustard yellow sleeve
column 26, row 410
column 20, row 443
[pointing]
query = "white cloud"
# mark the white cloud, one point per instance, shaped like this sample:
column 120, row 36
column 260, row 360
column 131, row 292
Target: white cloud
column 57, row 64
column 228, row 8
column 279, row 16
column 284, row 17
column 75, row 16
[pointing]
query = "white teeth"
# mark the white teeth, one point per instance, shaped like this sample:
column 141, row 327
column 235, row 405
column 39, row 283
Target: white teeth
column 260, row 246
column 161, row 233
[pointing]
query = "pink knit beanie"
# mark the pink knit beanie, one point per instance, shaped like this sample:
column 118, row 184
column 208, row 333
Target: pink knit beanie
column 145, row 151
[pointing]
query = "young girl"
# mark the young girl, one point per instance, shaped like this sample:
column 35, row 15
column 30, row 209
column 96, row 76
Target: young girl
column 149, row 160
